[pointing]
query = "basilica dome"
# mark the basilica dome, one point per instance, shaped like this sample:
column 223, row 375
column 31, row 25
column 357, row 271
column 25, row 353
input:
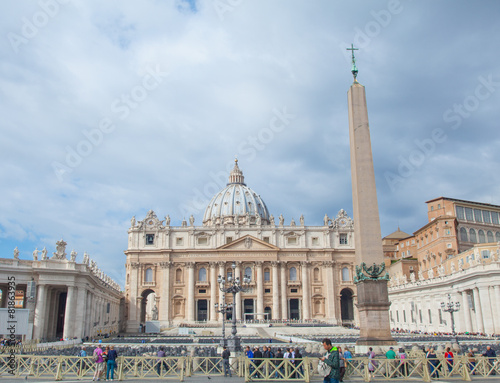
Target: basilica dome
column 236, row 203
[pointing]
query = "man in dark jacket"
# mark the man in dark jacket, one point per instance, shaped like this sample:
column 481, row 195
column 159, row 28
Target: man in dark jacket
column 331, row 359
column 491, row 354
column 225, row 360
column 257, row 354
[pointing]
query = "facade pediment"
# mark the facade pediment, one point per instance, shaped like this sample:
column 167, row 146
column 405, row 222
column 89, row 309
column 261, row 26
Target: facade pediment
column 248, row 243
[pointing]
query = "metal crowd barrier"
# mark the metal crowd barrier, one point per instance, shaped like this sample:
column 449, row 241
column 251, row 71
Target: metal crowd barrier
column 262, row 369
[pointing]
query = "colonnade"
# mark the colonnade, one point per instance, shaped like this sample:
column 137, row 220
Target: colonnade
column 83, row 313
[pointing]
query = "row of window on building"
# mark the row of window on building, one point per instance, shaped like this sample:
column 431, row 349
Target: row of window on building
column 413, row 318
column 477, row 215
column 481, row 237
column 203, row 241
column 202, row 274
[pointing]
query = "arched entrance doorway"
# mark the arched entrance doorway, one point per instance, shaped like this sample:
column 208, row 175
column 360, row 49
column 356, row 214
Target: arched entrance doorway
column 147, row 305
column 346, row 306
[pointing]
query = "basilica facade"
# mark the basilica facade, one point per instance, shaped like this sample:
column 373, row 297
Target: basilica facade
column 296, row 272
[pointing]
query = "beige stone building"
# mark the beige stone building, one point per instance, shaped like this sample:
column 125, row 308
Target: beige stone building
column 297, row 272
column 457, row 253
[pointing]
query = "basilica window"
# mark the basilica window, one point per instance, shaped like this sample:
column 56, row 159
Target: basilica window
column 485, row 254
column 148, row 275
column 482, row 238
column 489, row 236
column 316, row 274
column 293, row 274
column 202, row 240
column 266, row 239
column 267, row 275
column 345, row 274
column 248, row 272
column 497, row 235
column 178, row 275
column 229, row 239
column 150, row 239
column 463, row 234
column 343, row 239
column 315, row 241
column 430, row 316
column 179, row 241
column 202, row 275
column 292, row 240
column 472, row 235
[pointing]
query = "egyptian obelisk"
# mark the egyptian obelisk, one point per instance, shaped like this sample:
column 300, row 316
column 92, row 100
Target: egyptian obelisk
column 371, row 280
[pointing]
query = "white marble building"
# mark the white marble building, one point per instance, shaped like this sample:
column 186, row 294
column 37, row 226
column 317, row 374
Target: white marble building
column 66, row 299
column 297, row 271
column 471, row 277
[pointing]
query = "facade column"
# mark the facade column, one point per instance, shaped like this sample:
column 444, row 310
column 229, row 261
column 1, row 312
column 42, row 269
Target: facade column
column 306, row 294
column 486, row 309
column 213, row 291
column 222, row 273
column 466, row 311
column 237, row 304
column 260, row 290
column 165, row 292
column 284, row 291
column 190, row 298
column 276, row 292
column 69, row 313
column 477, row 307
column 39, row 321
column 81, row 309
column 133, row 310
column 330, row 295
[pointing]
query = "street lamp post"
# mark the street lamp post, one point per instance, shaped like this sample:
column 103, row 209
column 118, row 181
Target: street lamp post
column 235, row 286
column 451, row 307
column 223, row 309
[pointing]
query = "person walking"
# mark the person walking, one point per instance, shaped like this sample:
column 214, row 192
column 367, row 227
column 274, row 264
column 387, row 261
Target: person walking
column 111, row 363
column 491, row 354
column 99, row 363
column 257, row 355
column 448, row 355
column 225, row 362
column 391, row 365
column 332, row 360
column 471, row 358
column 433, row 363
column 341, row 364
column 160, row 354
column 403, row 363
column 371, row 361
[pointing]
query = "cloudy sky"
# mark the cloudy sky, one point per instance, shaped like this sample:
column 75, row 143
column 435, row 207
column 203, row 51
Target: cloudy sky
column 109, row 109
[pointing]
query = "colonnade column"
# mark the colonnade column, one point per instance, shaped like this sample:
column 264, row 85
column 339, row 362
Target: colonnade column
column 486, row 309
column 284, row 283
column 260, row 290
column 213, row 291
column 477, row 307
column 306, row 294
column 39, row 321
column 190, row 298
column 466, row 312
column 133, row 322
column 237, row 304
column 81, row 309
column 165, row 292
column 330, row 293
column 276, row 292
column 221, row 294
column 69, row 313
column 496, row 292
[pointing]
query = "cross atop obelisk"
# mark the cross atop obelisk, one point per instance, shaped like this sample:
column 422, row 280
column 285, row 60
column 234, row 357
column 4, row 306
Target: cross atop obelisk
column 354, row 69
